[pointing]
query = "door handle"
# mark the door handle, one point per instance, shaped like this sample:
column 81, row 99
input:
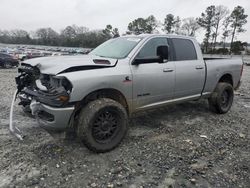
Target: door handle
column 199, row 67
column 168, row 70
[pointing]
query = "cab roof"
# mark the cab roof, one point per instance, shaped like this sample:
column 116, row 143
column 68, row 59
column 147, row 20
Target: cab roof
column 155, row 35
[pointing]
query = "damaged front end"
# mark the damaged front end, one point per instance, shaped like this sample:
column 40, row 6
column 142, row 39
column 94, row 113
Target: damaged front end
column 48, row 89
column 45, row 96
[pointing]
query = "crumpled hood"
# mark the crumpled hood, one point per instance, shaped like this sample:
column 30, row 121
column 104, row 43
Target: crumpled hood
column 57, row 64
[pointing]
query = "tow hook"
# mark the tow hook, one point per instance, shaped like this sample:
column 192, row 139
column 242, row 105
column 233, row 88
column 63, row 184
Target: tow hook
column 35, row 107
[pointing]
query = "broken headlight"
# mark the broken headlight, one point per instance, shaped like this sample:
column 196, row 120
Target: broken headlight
column 61, row 85
column 51, row 83
column 54, row 88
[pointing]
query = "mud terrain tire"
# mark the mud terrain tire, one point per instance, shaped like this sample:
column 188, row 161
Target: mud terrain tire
column 102, row 125
column 221, row 99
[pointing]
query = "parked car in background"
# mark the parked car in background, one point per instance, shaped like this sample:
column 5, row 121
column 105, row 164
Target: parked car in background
column 21, row 56
column 8, row 61
column 247, row 62
column 31, row 55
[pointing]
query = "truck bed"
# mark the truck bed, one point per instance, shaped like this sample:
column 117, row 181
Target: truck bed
column 217, row 67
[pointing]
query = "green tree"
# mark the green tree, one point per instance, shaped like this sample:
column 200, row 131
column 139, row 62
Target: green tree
column 47, row 36
column 79, row 29
column 189, row 26
column 92, row 39
column 69, row 32
column 141, row 25
column 151, row 23
column 138, row 26
column 19, row 36
column 238, row 18
column 172, row 24
column 115, row 33
column 207, row 22
column 169, row 22
column 4, row 36
column 220, row 13
column 226, row 31
column 177, row 25
column 109, row 32
column 237, row 47
column 69, row 36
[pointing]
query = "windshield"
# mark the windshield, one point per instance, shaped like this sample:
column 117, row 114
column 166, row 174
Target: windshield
column 116, row 48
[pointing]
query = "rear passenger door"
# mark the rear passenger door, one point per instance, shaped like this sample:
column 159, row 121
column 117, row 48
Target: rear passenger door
column 190, row 72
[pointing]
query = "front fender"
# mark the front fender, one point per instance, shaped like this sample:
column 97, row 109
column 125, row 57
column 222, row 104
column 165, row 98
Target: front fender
column 85, row 82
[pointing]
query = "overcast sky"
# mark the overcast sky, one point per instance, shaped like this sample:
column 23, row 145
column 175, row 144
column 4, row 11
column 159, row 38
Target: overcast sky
column 96, row 14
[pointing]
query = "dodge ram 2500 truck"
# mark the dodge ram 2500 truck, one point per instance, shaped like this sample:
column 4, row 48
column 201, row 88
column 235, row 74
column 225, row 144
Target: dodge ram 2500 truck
column 94, row 95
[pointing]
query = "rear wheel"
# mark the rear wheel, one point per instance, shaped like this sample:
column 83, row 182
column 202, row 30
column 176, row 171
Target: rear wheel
column 222, row 98
column 102, row 124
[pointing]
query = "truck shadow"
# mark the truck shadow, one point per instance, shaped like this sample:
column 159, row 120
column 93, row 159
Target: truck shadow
column 143, row 123
column 153, row 118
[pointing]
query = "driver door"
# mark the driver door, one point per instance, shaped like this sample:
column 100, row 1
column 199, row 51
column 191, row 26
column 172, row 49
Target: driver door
column 153, row 83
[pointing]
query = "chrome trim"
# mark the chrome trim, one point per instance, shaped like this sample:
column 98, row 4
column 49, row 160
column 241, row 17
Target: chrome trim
column 206, row 93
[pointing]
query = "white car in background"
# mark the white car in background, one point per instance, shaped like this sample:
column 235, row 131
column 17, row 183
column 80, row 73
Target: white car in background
column 22, row 56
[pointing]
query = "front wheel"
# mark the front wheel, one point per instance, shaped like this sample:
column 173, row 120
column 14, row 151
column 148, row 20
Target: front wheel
column 102, row 124
column 222, row 98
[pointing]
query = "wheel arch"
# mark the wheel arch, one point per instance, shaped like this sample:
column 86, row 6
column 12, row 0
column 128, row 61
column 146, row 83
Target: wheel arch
column 106, row 93
column 228, row 78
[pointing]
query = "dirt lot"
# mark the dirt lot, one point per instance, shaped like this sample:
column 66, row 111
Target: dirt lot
column 179, row 146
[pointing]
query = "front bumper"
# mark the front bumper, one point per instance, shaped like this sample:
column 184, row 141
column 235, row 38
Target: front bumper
column 52, row 118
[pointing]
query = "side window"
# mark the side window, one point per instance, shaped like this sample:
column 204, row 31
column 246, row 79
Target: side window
column 184, row 49
column 149, row 49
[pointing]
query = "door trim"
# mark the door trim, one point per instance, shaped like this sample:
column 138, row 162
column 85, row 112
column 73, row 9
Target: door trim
column 171, row 101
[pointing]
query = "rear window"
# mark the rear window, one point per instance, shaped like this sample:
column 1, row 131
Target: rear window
column 184, row 49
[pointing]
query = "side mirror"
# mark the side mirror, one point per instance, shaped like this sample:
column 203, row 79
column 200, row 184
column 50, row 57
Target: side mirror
column 162, row 52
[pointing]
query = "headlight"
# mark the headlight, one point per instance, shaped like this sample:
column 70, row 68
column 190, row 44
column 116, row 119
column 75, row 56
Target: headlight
column 60, row 81
column 53, row 83
column 54, row 90
column 40, row 86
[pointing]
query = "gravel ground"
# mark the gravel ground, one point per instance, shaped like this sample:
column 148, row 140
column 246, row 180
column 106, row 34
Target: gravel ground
column 183, row 145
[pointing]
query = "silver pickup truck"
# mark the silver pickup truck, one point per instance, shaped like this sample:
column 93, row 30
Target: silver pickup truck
column 94, row 95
